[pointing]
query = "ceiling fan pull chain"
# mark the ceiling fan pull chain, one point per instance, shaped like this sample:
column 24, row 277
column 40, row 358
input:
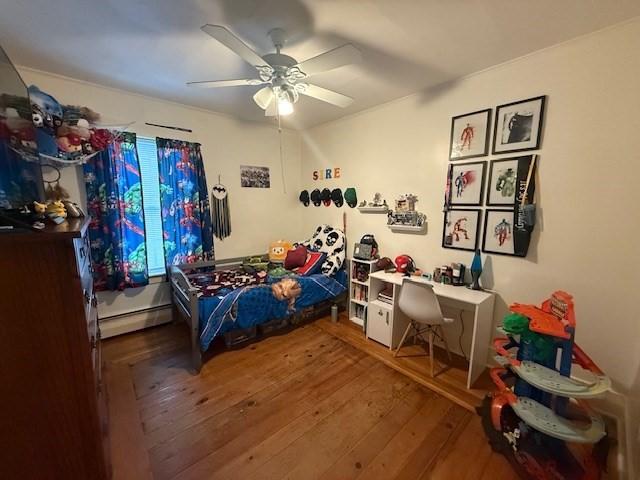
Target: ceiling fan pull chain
column 284, row 184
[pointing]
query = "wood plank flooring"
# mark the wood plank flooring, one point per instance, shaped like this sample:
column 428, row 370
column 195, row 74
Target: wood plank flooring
column 302, row 405
column 451, row 377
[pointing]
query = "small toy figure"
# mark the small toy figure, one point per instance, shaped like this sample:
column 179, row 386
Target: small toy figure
column 466, row 136
column 460, row 228
column 502, row 231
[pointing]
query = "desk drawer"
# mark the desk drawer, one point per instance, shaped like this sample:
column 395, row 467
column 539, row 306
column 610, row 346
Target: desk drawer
column 379, row 323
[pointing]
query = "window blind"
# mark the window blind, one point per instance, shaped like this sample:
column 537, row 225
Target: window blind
column 148, row 158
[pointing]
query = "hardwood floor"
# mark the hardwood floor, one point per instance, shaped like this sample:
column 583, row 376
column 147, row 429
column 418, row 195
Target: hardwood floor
column 450, row 380
column 303, row 405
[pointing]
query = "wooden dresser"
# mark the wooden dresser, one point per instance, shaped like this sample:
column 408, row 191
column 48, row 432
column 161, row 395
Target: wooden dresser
column 53, row 416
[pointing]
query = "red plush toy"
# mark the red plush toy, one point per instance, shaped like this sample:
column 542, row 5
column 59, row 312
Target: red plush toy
column 70, row 143
column 100, row 138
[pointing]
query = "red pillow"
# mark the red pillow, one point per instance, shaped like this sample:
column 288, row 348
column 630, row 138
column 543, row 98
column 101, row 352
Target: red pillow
column 313, row 264
column 296, row 258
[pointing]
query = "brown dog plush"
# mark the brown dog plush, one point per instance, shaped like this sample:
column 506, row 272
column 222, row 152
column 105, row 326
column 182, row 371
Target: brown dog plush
column 287, row 289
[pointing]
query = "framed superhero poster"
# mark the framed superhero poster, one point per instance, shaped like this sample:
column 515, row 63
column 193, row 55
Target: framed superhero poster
column 504, row 234
column 507, row 181
column 461, row 229
column 467, row 184
column 470, row 135
column 518, row 125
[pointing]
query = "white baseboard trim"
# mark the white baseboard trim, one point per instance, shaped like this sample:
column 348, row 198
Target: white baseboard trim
column 131, row 322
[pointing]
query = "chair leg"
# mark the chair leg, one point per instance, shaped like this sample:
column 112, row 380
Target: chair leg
column 431, row 356
column 404, row 337
column 444, row 340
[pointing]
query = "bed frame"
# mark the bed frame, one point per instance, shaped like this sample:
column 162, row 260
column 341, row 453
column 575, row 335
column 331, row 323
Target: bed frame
column 185, row 301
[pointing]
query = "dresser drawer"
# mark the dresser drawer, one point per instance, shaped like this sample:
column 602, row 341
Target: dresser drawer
column 379, row 323
column 83, row 252
column 88, row 297
column 93, row 334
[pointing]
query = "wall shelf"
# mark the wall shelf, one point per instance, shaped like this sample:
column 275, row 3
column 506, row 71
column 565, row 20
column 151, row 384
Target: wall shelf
column 409, row 228
column 380, row 209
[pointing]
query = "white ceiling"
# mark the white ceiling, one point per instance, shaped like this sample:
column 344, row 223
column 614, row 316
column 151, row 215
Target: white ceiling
column 154, row 46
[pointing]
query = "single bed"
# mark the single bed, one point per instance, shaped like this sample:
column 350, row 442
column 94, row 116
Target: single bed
column 216, row 297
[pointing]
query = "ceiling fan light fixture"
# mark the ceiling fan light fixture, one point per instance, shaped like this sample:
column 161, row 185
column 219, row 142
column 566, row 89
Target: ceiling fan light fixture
column 285, row 107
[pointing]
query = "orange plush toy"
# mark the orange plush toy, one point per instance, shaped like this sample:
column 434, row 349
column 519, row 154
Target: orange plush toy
column 278, row 251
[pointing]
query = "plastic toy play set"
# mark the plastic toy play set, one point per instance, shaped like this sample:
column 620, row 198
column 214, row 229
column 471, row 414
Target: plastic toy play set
column 538, row 416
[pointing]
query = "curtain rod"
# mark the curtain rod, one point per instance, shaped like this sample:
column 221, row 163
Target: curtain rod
column 169, row 127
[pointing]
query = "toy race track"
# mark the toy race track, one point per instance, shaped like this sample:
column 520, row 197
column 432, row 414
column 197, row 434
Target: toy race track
column 538, row 416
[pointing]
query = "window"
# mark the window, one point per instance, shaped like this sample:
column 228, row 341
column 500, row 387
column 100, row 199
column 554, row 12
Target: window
column 148, row 157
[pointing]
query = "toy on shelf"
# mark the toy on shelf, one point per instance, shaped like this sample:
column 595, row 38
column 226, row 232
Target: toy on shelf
column 537, row 417
column 377, row 205
column 405, row 217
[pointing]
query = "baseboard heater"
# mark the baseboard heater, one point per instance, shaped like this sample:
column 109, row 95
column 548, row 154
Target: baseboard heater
column 133, row 321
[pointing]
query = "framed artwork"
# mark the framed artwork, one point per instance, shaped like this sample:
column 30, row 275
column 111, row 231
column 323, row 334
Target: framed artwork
column 254, row 177
column 470, row 135
column 507, row 181
column 461, row 228
column 503, row 234
column 467, row 184
column 518, row 125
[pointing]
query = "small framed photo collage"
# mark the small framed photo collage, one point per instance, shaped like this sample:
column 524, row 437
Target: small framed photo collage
column 500, row 183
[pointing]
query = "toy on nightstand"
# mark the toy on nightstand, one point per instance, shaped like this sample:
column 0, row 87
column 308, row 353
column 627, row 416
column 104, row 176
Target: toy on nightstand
column 56, row 212
column 538, row 417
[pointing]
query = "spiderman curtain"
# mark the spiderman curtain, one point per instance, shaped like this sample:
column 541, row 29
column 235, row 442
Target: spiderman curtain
column 186, row 217
column 116, row 231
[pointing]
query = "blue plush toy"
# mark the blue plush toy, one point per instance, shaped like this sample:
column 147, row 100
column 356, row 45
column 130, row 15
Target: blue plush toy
column 47, row 117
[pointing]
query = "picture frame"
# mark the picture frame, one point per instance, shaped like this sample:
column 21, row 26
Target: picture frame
column 471, row 132
column 467, row 184
column 518, row 125
column 252, row 176
column 503, row 235
column 461, row 228
column 507, row 180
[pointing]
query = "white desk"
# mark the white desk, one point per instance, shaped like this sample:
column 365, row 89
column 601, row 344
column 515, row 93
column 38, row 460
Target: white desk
column 480, row 302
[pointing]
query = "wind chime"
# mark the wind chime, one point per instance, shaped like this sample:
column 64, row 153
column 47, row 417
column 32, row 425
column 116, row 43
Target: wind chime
column 221, row 215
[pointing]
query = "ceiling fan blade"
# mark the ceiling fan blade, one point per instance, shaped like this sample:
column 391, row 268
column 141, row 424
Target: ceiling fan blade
column 226, row 83
column 264, row 97
column 272, row 109
column 344, row 55
column 326, row 95
column 234, row 44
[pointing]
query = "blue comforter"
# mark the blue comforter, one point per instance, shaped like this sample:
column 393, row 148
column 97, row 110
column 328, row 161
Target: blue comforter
column 256, row 304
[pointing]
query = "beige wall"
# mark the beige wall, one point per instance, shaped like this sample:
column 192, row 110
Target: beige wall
column 587, row 239
column 258, row 216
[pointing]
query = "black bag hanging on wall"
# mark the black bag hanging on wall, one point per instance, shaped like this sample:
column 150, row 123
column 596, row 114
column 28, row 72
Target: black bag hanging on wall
column 220, row 210
column 524, row 212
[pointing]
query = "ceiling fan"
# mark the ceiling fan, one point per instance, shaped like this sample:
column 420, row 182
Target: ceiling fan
column 284, row 77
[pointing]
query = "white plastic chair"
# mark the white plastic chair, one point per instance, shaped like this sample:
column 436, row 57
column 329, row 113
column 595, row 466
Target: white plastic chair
column 418, row 302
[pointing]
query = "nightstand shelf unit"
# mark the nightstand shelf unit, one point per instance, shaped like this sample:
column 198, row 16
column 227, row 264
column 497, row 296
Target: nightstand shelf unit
column 359, row 289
